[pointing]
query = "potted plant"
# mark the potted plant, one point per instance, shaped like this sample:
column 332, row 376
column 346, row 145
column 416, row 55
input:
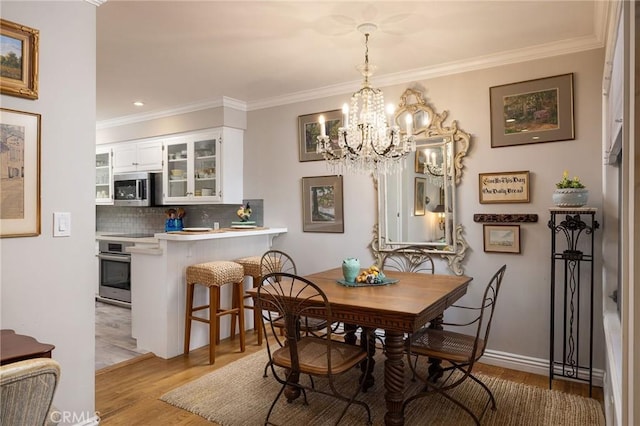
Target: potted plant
column 570, row 192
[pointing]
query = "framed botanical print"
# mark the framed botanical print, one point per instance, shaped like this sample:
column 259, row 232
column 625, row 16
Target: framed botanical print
column 19, row 52
column 322, row 208
column 19, row 173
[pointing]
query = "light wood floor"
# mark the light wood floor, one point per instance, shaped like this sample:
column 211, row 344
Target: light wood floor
column 127, row 393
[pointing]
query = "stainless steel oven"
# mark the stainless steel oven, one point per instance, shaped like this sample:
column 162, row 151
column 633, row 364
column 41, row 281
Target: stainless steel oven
column 115, row 271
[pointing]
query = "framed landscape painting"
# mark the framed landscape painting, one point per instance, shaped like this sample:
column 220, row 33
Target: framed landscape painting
column 502, row 238
column 322, row 208
column 309, row 130
column 532, row 111
column 19, row 60
column 19, row 173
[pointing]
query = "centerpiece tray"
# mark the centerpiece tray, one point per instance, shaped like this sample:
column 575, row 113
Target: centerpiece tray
column 386, row 281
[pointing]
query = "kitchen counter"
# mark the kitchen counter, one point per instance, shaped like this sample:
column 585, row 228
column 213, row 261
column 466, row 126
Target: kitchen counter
column 158, row 293
column 219, row 233
column 115, row 236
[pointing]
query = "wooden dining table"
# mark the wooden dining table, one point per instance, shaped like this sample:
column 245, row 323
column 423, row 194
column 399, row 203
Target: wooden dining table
column 399, row 308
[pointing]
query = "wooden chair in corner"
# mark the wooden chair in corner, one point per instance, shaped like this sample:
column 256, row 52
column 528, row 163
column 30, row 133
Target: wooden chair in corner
column 461, row 351
column 26, row 391
column 292, row 298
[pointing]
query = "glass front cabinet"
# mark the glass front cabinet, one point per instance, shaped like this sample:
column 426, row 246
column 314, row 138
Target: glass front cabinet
column 104, row 176
column 193, row 168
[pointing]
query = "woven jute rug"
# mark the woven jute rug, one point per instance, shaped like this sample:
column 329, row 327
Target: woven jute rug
column 238, row 395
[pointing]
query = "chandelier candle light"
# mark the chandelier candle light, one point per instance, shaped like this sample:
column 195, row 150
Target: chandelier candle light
column 369, row 141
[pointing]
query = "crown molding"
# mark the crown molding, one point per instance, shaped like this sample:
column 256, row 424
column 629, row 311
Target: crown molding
column 184, row 109
column 473, row 64
column 542, row 51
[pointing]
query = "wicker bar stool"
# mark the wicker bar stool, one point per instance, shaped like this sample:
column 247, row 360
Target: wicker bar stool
column 252, row 268
column 214, row 275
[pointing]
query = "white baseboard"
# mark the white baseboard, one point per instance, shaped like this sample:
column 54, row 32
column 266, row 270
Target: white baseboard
column 532, row 365
column 93, row 421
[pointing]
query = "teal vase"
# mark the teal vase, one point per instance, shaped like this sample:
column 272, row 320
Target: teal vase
column 350, row 269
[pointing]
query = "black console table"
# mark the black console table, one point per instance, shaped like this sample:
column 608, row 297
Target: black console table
column 572, row 260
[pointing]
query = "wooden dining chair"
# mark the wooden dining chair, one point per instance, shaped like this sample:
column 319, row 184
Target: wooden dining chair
column 461, row 351
column 293, row 298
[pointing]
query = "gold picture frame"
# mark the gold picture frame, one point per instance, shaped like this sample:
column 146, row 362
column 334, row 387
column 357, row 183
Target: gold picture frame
column 322, row 204
column 532, row 111
column 501, row 238
column 503, row 187
column 19, row 173
column 309, row 130
column 19, row 70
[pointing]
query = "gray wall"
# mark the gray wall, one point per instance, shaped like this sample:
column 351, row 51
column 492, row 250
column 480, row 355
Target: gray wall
column 271, row 144
column 48, row 284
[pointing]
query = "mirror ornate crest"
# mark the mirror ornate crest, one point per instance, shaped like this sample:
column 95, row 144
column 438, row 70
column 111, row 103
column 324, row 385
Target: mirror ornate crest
column 418, row 205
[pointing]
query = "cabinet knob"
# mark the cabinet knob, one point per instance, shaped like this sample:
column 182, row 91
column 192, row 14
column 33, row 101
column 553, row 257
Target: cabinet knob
column 618, row 120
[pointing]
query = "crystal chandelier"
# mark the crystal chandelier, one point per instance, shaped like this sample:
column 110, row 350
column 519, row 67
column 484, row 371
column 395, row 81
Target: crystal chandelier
column 369, row 141
column 435, row 168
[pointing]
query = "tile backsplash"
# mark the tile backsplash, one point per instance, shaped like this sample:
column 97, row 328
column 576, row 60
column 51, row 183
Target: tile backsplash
column 152, row 219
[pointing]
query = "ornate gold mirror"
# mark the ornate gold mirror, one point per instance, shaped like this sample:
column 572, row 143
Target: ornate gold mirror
column 418, row 205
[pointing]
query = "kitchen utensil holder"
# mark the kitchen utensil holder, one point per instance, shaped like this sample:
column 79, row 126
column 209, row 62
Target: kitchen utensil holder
column 173, row 225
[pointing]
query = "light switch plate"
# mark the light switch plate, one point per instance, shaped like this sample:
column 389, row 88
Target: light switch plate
column 61, row 224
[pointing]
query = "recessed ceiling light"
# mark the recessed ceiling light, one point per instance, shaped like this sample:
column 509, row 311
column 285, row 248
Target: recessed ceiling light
column 138, row 103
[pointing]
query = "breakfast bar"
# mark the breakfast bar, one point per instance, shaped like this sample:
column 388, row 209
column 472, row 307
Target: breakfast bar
column 158, row 297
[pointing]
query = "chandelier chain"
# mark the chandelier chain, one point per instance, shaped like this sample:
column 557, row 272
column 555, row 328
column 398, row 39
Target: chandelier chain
column 367, row 141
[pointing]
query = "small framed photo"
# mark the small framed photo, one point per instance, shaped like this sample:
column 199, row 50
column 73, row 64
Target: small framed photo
column 309, row 130
column 532, row 111
column 19, row 173
column 501, row 238
column 503, row 187
column 322, row 208
column 420, row 196
column 19, row 51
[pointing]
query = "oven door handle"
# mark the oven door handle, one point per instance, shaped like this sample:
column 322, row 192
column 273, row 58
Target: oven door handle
column 115, row 258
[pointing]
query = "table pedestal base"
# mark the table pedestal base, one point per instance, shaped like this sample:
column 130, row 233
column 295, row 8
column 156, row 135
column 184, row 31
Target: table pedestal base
column 394, row 377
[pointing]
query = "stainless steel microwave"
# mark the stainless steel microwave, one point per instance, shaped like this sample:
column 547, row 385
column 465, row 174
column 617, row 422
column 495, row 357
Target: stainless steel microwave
column 133, row 189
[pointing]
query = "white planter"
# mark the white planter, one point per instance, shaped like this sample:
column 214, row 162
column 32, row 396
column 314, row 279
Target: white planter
column 570, row 197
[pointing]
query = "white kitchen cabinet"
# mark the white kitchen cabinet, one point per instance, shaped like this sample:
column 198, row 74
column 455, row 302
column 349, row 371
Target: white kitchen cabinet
column 137, row 156
column 198, row 165
column 104, row 176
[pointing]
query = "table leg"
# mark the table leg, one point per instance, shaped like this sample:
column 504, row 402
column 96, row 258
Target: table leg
column 394, row 377
column 368, row 343
column 350, row 333
column 435, row 369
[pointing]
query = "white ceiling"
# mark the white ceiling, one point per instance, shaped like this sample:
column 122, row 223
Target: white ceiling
column 179, row 54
